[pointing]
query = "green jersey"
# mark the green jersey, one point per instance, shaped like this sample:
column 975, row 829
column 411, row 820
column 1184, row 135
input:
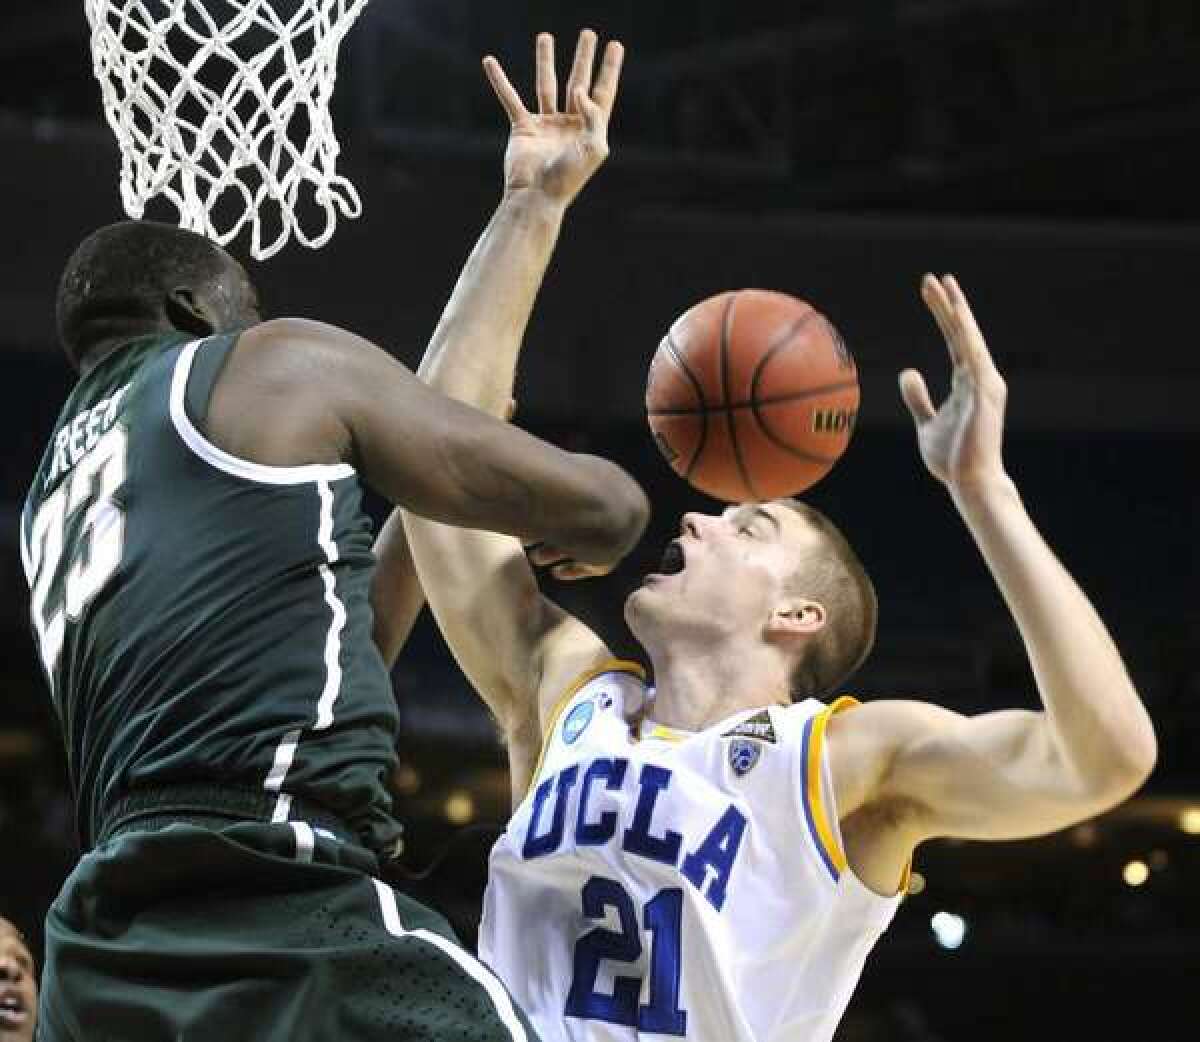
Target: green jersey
column 203, row 618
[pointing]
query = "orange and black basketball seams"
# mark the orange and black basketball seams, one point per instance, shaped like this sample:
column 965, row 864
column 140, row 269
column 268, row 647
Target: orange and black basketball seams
column 752, row 394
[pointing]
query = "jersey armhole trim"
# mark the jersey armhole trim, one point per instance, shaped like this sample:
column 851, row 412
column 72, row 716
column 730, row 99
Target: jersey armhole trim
column 816, row 814
column 815, row 811
column 610, row 666
column 226, row 462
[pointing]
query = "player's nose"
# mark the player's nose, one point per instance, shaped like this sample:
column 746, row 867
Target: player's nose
column 10, row 969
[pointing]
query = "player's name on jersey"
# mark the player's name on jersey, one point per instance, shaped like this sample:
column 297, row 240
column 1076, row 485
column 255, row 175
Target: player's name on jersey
column 577, row 820
column 77, row 437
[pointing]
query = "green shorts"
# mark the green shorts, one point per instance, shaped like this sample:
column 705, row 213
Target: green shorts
column 255, row 931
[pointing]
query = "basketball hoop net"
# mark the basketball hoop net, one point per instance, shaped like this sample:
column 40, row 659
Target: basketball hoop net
column 226, row 114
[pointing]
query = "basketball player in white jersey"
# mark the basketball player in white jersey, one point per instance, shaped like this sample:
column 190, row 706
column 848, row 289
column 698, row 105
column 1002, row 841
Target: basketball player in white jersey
column 714, row 857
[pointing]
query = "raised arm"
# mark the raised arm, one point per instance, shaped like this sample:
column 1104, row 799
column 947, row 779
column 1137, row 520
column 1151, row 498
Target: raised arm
column 518, row 648
column 1012, row 773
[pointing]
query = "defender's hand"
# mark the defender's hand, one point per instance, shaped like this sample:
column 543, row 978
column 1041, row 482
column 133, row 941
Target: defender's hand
column 556, row 152
column 960, row 442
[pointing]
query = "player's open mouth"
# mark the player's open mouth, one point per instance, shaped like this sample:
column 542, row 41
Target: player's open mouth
column 13, row 1013
column 673, row 561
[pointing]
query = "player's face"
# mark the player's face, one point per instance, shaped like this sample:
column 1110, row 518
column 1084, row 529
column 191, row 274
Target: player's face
column 727, row 573
column 18, row 987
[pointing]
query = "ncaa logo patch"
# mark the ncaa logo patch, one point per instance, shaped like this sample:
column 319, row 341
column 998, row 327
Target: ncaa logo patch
column 577, row 721
column 743, row 755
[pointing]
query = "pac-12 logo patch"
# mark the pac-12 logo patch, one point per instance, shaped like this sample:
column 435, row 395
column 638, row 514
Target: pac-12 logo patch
column 577, row 721
column 743, row 755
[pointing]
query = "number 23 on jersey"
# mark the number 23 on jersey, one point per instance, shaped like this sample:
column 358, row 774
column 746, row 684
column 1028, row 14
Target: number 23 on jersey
column 75, row 543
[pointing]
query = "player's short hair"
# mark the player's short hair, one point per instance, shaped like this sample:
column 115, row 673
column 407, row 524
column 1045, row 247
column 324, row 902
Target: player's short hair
column 122, row 272
column 834, row 576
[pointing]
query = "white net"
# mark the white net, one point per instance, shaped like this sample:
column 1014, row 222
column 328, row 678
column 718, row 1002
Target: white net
column 222, row 108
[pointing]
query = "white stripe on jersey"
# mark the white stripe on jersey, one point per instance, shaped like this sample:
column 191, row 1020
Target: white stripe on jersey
column 658, row 885
column 217, row 457
column 332, row 687
column 319, row 474
column 285, row 752
column 333, row 640
column 306, row 840
column 26, row 554
column 473, row 967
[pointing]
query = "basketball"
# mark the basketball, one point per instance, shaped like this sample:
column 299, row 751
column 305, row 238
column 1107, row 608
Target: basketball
column 752, row 395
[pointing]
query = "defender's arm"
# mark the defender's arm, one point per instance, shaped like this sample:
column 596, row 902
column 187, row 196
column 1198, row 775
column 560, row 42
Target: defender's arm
column 302, row 391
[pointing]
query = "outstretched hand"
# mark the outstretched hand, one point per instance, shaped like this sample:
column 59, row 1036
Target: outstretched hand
column 557, row 151
column 960, row 441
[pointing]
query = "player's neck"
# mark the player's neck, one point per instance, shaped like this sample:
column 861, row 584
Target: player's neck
column 114, row 335
column 695, row 687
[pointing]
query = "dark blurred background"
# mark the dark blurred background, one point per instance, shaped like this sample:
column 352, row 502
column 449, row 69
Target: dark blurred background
column 1046, row 152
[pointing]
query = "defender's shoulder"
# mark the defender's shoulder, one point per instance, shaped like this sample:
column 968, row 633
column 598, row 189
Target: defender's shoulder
column 278, row 399
column 290, row 343
column 304, row 357
column 294, row 327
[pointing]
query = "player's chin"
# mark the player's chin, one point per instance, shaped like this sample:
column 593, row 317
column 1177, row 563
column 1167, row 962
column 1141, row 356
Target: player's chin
column 637, row 605
column 16, row 1023
column 650, row 601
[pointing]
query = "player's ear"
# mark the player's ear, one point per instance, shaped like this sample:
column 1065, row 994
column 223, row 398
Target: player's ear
column 796, row 617
column 188, row 313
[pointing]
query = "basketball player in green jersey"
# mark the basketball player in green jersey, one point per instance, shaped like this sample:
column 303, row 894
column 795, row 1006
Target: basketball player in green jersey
column 200, row 568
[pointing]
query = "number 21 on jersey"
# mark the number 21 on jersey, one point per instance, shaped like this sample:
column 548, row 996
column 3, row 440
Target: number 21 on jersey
column 661, row 917
column 90, row 550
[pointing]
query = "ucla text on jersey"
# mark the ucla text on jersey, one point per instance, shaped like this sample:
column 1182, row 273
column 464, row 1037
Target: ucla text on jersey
column 706, row 864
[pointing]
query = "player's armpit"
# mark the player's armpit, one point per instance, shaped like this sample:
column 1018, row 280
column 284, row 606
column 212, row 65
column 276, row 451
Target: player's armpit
column 316, row 393
column 396, row 594
column 567, row 651
column 512, row 643
column 995, row 776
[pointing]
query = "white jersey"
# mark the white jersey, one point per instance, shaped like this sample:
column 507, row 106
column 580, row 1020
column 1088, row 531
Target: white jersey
column 661, row 884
